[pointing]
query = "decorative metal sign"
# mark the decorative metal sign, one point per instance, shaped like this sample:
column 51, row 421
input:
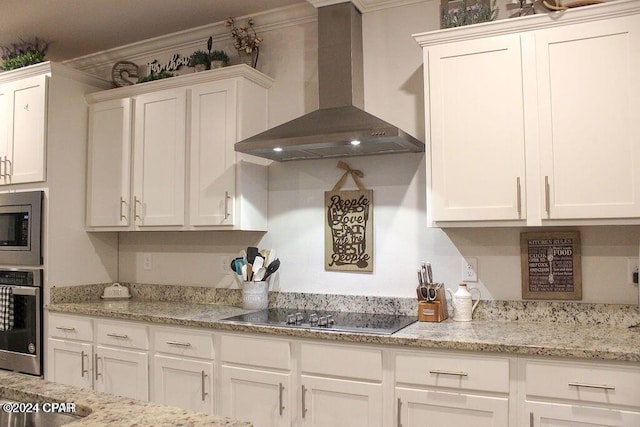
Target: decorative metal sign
column 154, row 67
column 551, row 265
column 349, row 225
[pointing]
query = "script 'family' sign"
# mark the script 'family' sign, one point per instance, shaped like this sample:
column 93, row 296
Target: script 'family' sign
column 349, row 230
column 551, row 265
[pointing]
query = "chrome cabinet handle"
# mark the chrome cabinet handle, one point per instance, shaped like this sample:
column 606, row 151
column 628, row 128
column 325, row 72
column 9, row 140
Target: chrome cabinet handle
column 547, row 197
column 304, row 405
column 123, row 216
column 204, row 393
column 530, row 419
column 2, row 163
column 280, row 391
column 65, row 328
column 399, row 414
column 179, row 344
column 136, row 201
column 95, row 362
column 226, row 205
column 8, row 171
column 598, row 386
column 456, row 373
column 82, row 370
column 121, row 336
column 519, row 197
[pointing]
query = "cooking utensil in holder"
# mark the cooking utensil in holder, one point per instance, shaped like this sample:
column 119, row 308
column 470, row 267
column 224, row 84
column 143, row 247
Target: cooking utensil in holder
column 432, row 302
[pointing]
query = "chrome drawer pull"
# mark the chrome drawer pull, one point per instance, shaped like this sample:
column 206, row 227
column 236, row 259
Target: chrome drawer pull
column 601, row 387
column 458, row 374
column 65, row 328
column 179, row 344
column 122, row 336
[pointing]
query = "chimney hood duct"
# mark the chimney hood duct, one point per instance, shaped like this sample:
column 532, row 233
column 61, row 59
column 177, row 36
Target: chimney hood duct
column 330, row 130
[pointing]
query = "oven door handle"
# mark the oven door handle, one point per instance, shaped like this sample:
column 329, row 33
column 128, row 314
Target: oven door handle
column 24, row 290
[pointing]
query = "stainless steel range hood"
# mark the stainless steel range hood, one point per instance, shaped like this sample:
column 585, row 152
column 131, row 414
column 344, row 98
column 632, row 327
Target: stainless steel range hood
column 340, row 120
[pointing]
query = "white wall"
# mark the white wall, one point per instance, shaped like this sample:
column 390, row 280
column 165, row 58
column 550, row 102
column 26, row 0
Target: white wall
column 393, row 90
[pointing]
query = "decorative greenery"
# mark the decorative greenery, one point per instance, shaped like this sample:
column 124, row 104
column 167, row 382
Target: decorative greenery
column 468, row 14
column 155, row 76
column 199, row 57
column 219, row 55
column 25, row 53
column 244, row 37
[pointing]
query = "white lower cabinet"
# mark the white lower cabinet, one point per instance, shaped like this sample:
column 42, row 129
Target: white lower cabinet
column 183, row 368
column 69, row 362
column 451, row 389
column 122, row 372
column 256, row 380
column 560, row 393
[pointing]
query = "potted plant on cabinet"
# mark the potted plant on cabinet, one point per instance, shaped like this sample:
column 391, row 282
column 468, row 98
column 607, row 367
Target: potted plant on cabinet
column 22, row 54
column 219, row 59
column 200, row 60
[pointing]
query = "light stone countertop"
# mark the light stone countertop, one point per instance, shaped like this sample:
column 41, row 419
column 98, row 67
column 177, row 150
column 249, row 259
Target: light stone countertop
column 101, row 409
column 603, row 342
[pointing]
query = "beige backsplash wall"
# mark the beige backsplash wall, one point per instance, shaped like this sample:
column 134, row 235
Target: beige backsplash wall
column 401, row 239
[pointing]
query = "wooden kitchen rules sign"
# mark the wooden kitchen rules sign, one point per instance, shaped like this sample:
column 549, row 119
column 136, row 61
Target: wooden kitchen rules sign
column 551, row 265
column 348, row 230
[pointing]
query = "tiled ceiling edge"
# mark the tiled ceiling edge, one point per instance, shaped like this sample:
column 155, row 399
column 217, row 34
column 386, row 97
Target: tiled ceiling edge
column 191, row 39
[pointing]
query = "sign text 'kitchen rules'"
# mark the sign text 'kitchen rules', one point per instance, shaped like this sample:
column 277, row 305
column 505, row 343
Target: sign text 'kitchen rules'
column 348, row 228
column 551, row 265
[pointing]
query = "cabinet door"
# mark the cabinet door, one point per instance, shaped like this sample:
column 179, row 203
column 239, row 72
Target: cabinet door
column 25, row 161
column 70, row 363
column 122, row 372
column 589, row 103
column 260, row 397
column 477, row 130
column 159, row 158
column 109, row 169
column 184, row 383
column 212, row 163
column 414, row 407
column 561, row 415
column 328, row 402
column 4, row 130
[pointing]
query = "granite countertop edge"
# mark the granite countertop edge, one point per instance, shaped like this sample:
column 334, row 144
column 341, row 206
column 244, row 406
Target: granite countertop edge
column 600, row 342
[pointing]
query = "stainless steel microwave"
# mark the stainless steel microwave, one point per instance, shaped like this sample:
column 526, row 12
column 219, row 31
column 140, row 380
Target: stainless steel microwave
column 21, row 228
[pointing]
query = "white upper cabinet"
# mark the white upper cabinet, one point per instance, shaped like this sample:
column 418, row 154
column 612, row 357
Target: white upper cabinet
column 158, row 158
column 109, row 168
column 535, row 127
column 161, row 154
column 589, row 108
column 22, row 145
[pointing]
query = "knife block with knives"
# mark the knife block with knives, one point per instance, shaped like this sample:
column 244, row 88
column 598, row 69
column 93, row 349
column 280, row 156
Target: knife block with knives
column 432, row 300
column 433, row 310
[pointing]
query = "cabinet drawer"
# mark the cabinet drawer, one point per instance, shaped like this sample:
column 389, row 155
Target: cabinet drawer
column 342, row 361
column 255, row 351
column 122, row 334
column 453, row 371
column 70, row 327
column 585, row 382
column 183, row 342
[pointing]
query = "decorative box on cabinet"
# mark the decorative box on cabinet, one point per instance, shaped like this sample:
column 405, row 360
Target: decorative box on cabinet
column 526, row 126
column 202, row 114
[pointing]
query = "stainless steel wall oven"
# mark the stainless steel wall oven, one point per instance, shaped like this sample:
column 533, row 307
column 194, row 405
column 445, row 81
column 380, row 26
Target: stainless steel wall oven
column 21, row 320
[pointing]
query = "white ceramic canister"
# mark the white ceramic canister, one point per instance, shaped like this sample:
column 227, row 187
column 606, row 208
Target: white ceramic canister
column 255, row 295
column 462, row 302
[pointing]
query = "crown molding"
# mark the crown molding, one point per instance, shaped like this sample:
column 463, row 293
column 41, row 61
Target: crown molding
column 55, row 69
column 365, row 6
column 192, row 38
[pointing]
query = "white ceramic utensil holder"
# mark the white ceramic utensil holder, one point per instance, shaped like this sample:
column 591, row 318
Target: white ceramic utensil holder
column 462, row 302
column 255, row 295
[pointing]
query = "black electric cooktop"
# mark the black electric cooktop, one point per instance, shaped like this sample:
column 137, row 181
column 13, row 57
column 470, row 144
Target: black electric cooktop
column 368, row 323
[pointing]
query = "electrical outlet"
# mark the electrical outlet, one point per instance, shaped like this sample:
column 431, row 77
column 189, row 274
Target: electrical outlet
column 469, row 269
column 146, row 261
column 632, row 270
